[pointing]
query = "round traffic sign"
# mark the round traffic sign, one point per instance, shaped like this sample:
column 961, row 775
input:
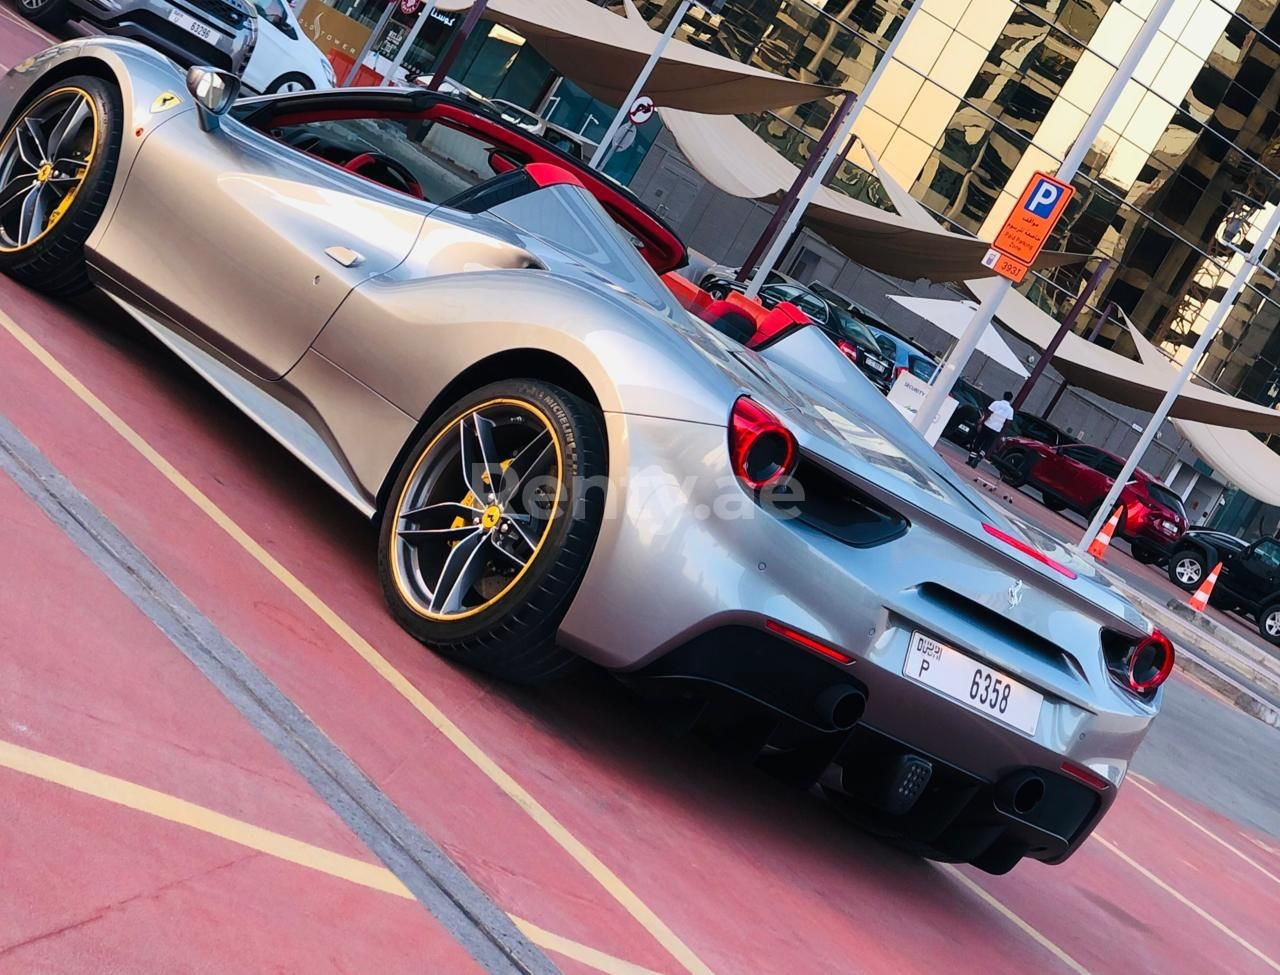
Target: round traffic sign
column 641, row 110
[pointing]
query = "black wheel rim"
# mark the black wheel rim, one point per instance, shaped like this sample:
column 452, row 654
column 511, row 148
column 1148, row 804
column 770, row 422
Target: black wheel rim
column 44, row 162
column 476, row 509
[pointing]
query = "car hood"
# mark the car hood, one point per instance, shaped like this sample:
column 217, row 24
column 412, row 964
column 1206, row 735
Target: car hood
column 1219, row 540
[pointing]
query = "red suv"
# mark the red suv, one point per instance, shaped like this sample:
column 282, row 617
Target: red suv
column 1078, row 477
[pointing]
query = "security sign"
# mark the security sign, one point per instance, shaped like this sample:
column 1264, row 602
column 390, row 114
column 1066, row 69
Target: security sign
column 641, row 110
column 1033, row 218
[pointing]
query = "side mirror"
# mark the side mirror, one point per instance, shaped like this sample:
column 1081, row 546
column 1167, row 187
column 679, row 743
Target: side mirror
column 214, row 92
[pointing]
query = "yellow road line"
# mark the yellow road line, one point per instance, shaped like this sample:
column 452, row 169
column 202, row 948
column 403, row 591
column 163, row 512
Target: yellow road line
column 991, row 901
column 557, row 831
column 579, row 952
column 162, row 805
column 1188, row 903
column 1139, row 781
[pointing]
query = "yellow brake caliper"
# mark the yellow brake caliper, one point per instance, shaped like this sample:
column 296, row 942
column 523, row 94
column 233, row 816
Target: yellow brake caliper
column 470, row 499
column 65, row 203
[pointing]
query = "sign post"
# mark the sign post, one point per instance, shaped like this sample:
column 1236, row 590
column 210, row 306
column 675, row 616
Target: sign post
column 408, row 7
column 1038, row 202
column 642, row 79
column 374, row 36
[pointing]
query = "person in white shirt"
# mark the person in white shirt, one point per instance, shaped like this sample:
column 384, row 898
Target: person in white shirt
column 999, row 413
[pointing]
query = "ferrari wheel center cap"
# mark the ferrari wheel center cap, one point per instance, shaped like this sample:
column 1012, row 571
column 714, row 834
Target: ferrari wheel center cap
column 44, row 172
column 492, row 515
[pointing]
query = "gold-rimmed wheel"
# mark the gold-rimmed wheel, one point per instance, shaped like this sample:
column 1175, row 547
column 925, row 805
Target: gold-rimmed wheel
column 490, row 523
column 477, row 508
column 57, row 161
column 43, row 163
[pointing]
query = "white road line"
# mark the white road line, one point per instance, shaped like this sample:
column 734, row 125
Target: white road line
column 1139, row 782
column 991, row 901
column 1188, row 903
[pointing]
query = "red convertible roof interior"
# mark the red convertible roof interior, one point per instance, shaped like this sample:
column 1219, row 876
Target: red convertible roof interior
column 662, row 249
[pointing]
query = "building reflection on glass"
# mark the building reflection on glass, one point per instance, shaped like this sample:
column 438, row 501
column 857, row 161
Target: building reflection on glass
column 985, row 92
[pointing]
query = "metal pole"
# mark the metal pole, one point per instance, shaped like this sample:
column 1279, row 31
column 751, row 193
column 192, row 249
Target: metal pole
column 783, row 209
column 1103, row 317
column 440, row 70
column 830, row 159
column 960, row 355
column 378, row 28
column 642, row 79
column 1068, row 323
column 1220, row 314
column 427, row 10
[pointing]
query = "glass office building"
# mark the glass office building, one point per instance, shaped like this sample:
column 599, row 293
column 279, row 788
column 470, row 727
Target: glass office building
column 983, row 93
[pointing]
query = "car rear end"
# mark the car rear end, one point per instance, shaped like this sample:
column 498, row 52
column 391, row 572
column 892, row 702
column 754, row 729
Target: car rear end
column 884, row 635
column 1154, row 516
column 218, row 33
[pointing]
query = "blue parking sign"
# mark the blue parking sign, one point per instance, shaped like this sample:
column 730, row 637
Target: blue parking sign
column 1043, row 198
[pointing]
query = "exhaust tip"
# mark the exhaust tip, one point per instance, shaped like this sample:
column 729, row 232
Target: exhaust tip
column 1028, row 795
column 840, row 706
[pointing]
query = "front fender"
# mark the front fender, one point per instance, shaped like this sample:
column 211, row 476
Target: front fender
column 141, row 74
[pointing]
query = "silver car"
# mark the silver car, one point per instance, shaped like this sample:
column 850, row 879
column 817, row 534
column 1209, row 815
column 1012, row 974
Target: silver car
column 463, row 330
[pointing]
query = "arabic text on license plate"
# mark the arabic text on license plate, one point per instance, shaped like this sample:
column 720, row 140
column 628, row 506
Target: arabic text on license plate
column 201, row 30
column 958, row 676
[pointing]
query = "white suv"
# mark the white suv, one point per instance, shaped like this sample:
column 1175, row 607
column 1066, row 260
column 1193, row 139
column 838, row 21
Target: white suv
column 284, row 60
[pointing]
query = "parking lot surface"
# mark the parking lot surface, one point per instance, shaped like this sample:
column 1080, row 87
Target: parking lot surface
column 218, row 753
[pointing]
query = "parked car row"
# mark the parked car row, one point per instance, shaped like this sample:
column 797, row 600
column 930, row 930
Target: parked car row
column 1078, row 477
column 260, row 40
column 1248, row 583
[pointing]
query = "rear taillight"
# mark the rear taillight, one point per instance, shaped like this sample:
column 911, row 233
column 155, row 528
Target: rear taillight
column 1150, row 663
column 849, row 349
column 899, row 371
column 1141, row 664
column 761, row 449
column 808, row 642
column 1086, row 775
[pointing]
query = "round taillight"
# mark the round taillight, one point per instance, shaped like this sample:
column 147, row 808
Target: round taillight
column 849, row 349
column 1150, row 662
column 761, row 449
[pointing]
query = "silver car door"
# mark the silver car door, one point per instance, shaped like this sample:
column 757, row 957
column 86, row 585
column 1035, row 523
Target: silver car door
column 249, row 244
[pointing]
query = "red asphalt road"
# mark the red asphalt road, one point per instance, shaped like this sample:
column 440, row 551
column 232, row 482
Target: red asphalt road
column 752, row 876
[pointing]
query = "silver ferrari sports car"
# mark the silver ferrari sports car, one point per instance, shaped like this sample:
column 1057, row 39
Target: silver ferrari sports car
column 466, row 333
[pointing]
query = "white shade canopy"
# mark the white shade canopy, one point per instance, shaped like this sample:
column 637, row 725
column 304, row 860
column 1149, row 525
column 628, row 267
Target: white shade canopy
column 952, row 317
column 1138, row 384
column 736, row 160
column 603, row 53
column 1235, row 455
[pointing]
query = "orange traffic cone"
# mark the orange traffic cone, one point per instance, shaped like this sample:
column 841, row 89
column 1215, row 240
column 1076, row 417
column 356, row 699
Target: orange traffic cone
column 1098, row 547
column 1200, row 601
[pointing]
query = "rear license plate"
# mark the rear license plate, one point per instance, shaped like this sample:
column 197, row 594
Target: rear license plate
column 879, row 365
column 963, row 428
column 958, row 676
column 190, row 24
